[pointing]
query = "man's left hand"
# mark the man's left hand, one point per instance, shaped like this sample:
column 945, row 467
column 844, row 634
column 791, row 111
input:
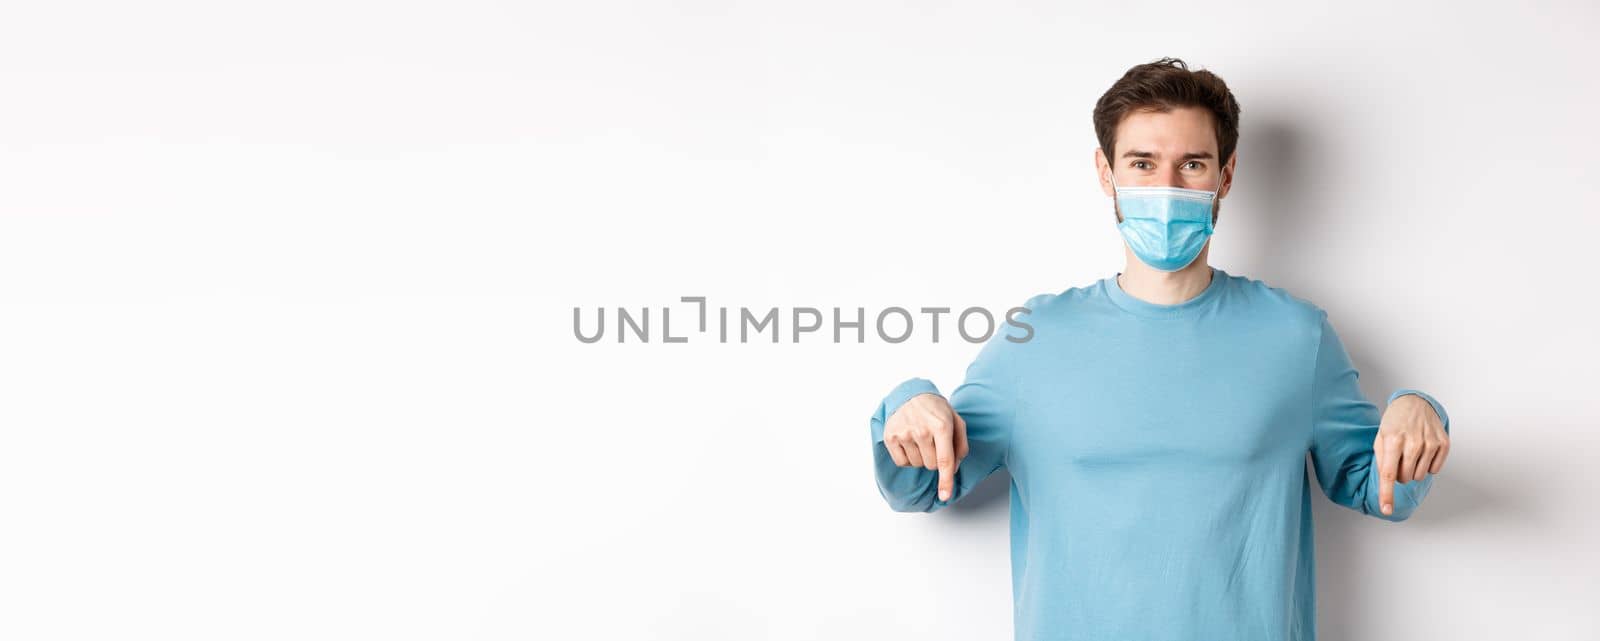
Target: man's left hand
column 1411, row 444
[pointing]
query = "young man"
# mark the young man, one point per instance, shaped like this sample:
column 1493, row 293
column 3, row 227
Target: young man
column 1157, row 423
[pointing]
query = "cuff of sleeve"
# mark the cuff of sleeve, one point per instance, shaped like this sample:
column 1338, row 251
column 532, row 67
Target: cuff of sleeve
column 897, row 397
column 1437, row 408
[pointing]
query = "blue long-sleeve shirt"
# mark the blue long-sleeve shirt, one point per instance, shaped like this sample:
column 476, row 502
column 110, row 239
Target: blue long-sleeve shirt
column 1157, row 458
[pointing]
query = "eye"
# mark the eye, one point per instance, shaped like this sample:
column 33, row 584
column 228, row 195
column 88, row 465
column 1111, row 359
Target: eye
column 1140, row 164
column 1193, row 164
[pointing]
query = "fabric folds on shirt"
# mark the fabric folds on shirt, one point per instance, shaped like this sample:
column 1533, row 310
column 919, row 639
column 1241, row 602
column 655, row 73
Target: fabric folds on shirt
column 1157, row 453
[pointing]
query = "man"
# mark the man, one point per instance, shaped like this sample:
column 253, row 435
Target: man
column 1156, row 424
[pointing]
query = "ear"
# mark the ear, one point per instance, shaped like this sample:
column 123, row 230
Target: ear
column 1102, row 167
column 1227, row 176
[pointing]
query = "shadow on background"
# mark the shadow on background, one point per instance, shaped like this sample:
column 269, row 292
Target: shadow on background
column 1273, row 156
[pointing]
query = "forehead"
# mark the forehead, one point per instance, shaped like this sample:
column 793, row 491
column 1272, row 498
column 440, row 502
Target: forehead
column 1175, row 132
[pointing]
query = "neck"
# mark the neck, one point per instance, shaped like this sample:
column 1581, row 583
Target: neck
column 1165, row 288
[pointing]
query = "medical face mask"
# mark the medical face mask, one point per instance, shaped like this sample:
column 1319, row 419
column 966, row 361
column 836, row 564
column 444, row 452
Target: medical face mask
column 1166, row 227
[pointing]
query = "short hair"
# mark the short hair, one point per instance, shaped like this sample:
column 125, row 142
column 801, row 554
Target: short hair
column 1161, row 86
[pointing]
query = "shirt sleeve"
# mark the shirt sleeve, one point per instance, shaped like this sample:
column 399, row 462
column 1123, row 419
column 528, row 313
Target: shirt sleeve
column 1344, row 426
column 985, row 400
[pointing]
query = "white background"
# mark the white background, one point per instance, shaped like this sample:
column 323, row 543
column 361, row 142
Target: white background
column 286, row 296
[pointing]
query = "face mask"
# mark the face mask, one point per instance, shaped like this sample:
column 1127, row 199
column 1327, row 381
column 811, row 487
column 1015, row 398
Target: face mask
column 1166, row 227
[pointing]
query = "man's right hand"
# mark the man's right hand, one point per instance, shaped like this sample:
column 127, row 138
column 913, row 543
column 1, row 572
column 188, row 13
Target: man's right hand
column 926, row 432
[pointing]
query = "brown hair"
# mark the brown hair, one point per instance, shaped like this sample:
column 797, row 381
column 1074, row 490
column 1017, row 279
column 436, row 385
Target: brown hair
column 1160, row 86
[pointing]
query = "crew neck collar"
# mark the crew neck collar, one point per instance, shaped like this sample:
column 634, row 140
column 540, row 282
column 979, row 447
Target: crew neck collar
column 1147, row 309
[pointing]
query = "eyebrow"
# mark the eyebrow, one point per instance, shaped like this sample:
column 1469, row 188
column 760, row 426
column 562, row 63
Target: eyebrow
column 1193, row 155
